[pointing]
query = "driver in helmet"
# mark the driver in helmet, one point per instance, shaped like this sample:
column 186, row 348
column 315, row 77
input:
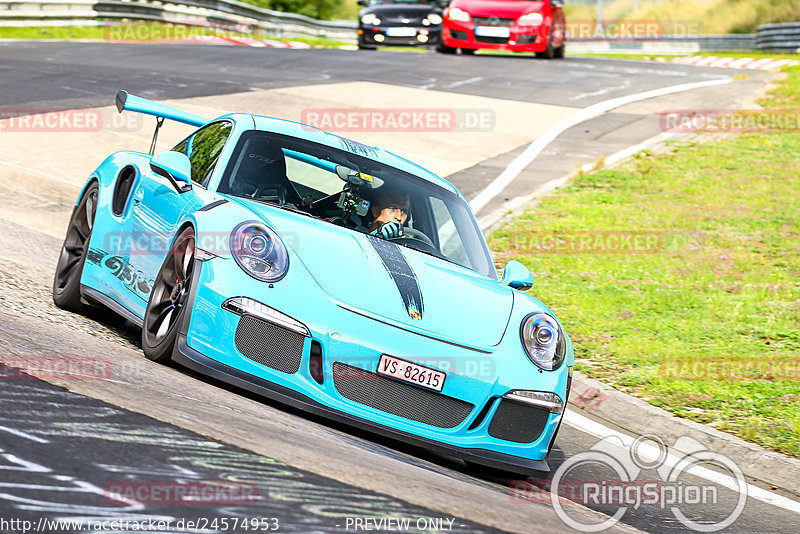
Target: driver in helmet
column 389, row 212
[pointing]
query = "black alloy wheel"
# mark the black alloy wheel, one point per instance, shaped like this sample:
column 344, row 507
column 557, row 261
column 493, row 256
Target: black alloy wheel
column 67, row 279
column 169, row 299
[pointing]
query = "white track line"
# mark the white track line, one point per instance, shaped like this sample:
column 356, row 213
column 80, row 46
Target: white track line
column 534, row 149
column 523, row 201
column 22, row 434
column 591, row 427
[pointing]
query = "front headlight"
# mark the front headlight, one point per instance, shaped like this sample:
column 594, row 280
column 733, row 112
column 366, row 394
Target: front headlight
column 259, row 251
column 434, row 19
column 370, row 18
column 458, row 14
column 544, row 342
column 531, row 19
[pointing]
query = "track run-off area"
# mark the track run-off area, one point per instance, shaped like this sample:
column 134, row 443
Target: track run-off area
column 508, row 128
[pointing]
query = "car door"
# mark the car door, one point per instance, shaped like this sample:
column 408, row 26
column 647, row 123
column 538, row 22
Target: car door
column 158, row 208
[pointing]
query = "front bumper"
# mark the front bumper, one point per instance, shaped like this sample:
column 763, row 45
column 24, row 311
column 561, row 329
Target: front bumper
column 422, row 36
column 520, row 39
column 211, row 342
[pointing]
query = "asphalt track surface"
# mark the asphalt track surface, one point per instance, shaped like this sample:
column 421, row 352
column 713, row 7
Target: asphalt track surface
column 52, row 438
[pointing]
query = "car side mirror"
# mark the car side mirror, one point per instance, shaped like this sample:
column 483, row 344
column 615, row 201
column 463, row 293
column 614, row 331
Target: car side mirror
column 517, row 276
column 175, row 167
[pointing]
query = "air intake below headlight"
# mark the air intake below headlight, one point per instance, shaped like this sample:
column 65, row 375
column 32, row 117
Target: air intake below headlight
column 518, row 422
column 270, row 345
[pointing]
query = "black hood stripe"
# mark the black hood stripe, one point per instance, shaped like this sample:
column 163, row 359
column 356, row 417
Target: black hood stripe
column 402, row 274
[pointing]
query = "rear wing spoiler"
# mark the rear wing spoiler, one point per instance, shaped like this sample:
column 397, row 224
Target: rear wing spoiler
column 138, row 104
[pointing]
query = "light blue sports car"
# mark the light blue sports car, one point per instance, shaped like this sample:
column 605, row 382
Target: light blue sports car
column 257, row 251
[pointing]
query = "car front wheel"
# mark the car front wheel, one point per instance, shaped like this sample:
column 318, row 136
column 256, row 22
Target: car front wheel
column 549, row 52
column 169, row 299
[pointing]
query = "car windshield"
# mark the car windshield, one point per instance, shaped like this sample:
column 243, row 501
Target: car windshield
column 349, row 189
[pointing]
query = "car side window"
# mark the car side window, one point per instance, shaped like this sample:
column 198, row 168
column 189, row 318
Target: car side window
column 449, row 239
column 203, row 149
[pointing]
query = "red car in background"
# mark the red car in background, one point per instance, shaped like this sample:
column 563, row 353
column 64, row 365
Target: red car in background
column 512, row 25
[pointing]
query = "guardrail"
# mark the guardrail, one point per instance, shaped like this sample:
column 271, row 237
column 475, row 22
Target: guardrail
column 228, row 14
column 783, row 37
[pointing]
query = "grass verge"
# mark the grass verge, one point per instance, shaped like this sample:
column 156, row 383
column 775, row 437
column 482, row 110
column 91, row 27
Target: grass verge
column 701, row 318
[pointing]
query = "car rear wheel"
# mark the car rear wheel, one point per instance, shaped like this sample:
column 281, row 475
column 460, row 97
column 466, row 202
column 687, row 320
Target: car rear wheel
column 67, row 280
column 169, row 299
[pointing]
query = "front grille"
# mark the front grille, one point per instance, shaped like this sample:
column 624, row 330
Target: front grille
column 491, row 40
column 269, row 345
column 492, row 21
column 398, row 398
column 518, row 422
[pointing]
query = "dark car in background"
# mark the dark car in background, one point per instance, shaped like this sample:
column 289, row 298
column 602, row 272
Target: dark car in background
column 399, row 22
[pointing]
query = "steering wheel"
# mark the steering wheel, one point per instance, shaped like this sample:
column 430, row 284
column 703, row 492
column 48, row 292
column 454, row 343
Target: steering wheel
column 416, row 239
column 416, row 234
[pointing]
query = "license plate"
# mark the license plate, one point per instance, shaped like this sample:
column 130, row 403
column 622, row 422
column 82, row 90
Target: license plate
column 492, row 31
column 401, row 32
column 412, row 373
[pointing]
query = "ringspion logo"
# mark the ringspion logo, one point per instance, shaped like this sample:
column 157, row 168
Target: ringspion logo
column 695, row 505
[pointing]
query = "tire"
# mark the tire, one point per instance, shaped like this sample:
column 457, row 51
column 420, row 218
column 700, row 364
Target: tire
column 166, row 306
column 443, row 49
column 67, row 278
column 467, row 51
column 549, row 52
column 559, row 52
